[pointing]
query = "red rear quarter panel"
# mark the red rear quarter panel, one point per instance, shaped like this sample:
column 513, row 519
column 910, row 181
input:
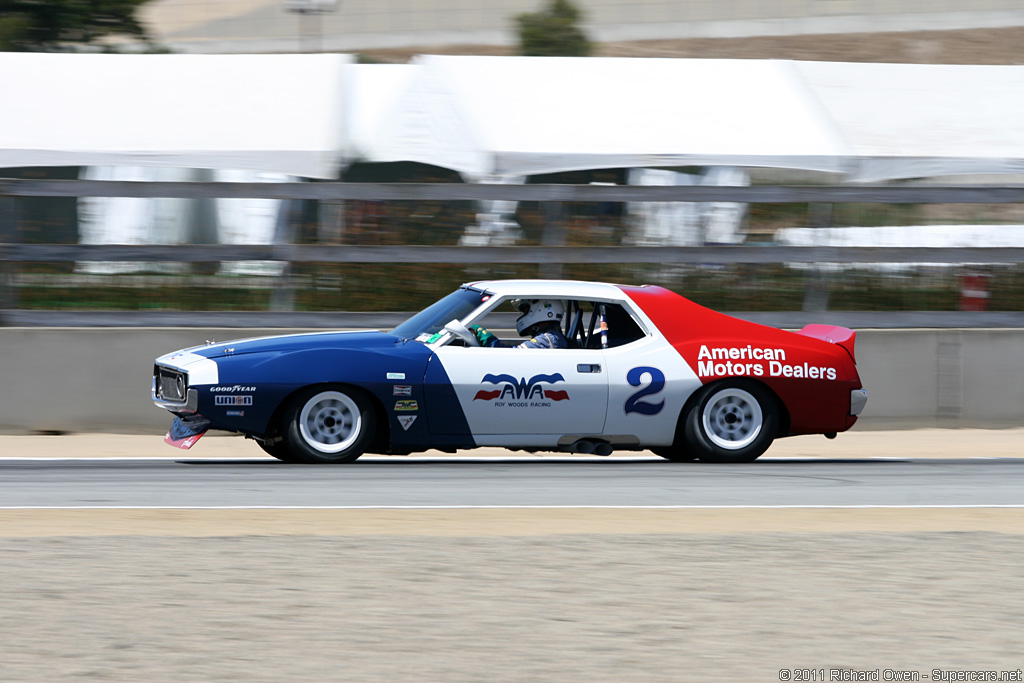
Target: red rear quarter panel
column 812, row 377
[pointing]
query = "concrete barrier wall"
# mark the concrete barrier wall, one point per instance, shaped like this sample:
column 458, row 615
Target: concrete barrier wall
column 98, row 379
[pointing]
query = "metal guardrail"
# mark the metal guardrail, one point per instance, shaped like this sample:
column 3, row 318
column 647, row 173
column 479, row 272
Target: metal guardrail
column 753, row 194
column 340, row 320
column 746, row 254
column 21, row 253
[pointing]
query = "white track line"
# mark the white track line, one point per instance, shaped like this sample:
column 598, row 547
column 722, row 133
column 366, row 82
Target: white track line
column 493, row 458
column 516, row 507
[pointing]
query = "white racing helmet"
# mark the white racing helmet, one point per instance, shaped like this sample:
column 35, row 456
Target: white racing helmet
column 537, row 311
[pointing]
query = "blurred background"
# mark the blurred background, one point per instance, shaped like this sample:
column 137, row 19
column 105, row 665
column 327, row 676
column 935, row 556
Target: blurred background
column 308, row 91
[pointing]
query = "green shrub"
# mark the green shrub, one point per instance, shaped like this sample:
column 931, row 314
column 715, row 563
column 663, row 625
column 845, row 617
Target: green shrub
column 553, row 32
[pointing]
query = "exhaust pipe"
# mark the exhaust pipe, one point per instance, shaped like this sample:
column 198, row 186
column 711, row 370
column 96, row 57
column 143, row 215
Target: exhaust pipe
column 588, row 446
column 583, row 446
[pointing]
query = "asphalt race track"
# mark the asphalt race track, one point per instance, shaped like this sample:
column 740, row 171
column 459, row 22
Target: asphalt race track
column 381, row 482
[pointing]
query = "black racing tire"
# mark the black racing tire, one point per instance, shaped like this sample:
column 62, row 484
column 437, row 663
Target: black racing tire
column 677, row 452
column 731, row 421
column 279, row 450
column 332, row 424
column 680, row 450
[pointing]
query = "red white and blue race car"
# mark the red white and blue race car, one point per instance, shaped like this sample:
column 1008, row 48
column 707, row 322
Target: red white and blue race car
column 644, row 368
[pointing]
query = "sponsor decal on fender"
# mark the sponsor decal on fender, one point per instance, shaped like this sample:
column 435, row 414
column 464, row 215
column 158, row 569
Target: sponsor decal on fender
column 237, row 387
column 396, row 375
column 401, row 390
column 755, row 362
column 406, row 405
column 232, row 400
column 522, row 393
column 406, row 421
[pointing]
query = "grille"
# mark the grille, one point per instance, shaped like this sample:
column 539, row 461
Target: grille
column 170, row 384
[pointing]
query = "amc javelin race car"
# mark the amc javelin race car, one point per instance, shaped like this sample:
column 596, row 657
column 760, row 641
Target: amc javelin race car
column 644, row 369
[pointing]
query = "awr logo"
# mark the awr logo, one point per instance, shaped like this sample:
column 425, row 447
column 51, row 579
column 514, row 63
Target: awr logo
column 512, row 388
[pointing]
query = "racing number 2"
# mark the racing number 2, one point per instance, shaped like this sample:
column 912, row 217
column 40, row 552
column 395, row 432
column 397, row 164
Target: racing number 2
column 635, row 377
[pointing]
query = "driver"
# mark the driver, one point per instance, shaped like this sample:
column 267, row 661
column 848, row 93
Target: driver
column 541, row 320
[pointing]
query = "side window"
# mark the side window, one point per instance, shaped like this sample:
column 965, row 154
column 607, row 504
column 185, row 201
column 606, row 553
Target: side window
column 583, row 326
column 622, row 328
column 501, row 322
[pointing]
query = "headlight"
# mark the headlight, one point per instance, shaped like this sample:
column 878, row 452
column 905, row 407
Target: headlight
column 171, row 384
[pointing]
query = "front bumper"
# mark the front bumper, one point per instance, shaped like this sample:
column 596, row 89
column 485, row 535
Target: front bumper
column 173, row 377
column 170, row 391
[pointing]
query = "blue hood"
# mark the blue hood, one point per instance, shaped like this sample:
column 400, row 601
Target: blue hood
column 365, row 339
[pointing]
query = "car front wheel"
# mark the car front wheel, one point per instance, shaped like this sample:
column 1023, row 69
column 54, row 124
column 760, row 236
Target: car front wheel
column 329, row 426
column 279, row 450
column 732, row 421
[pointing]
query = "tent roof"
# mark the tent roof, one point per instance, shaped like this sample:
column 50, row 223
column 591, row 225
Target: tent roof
column 526, row 115
column 374, row 89
column 500, row 116
column 279, row 113
column 923, row 120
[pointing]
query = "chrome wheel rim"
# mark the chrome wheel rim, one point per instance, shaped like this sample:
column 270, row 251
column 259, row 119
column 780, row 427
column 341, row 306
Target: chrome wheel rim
column 330, row 422
column 732, row 419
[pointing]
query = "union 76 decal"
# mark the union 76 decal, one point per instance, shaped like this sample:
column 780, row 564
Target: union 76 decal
column 510, row 388
column 656, row 383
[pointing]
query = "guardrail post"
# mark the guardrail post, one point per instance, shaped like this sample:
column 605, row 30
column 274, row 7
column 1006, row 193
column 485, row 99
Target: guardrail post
column 816, row 294
column 8, row 233
column 283, row 296
column 553, row 236
column 8, row 291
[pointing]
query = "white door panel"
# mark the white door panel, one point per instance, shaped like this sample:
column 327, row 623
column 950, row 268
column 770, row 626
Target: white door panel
column 648, row 384
column 528, row 391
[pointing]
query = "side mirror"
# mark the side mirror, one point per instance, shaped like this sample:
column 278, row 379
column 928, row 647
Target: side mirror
column 462, row 332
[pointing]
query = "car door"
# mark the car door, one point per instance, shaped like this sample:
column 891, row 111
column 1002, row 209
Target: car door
column 649, row 382
column 510, row 391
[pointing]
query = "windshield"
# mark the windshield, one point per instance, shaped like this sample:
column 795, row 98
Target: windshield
column 433, row 318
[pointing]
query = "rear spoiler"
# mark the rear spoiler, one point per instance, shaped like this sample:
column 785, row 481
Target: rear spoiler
column 833, row 334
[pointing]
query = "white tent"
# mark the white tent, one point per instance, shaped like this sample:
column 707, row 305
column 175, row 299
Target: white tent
column 373, row 91
column 497, row 116
column 265, row 113
column 501, row 116
column 923, row 120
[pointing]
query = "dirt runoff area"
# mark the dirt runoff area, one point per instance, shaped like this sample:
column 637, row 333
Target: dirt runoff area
column 513, row 595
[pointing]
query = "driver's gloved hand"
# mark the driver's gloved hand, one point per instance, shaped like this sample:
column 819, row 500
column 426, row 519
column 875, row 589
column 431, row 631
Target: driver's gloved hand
column 483, row 336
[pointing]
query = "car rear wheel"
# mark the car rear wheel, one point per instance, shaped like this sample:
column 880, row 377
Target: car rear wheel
column 732, row 421
column 676, row 452
column 329, row 425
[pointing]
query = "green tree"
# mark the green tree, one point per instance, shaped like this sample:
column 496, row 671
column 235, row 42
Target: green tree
column 553, row 32
column 49, row 25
